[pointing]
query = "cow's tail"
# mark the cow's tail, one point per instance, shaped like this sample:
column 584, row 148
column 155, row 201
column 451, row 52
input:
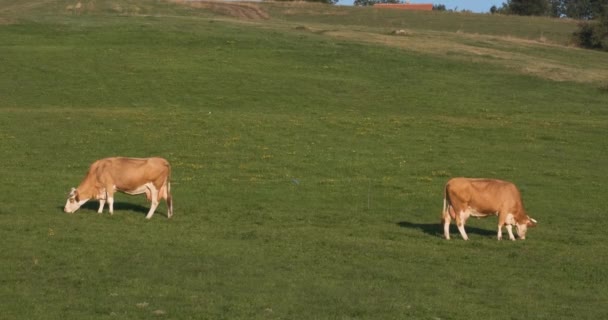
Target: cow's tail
column 169, row 197
column 447, row 204
column 169, row 200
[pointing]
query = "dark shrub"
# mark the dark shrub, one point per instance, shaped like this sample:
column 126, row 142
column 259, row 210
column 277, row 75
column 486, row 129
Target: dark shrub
column 592, row 35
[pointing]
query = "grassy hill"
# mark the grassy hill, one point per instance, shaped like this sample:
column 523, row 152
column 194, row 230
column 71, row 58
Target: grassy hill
column 309, row 146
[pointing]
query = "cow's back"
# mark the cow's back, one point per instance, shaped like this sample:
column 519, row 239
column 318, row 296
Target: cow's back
column 485, row 195
column 130, row 173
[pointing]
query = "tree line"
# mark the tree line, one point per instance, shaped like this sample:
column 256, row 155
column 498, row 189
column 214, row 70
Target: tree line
column 575, row 9
column 593, row 15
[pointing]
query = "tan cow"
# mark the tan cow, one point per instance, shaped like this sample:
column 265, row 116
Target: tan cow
column 465, row 197
column 129, row 175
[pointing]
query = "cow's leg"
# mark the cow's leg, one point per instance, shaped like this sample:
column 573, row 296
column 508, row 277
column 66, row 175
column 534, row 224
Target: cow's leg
column 102, row 202
column 111, row 204
column 461, row 218
column 502, row 221
column 446, row 224
column 507, row 220
column 164, row 193
column 110, row 198
column 510, row 231
column 153, row 199
column 499, row 236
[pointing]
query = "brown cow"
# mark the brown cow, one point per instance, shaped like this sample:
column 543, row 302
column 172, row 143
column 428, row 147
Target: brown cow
column 129, row 175
column 465, row 197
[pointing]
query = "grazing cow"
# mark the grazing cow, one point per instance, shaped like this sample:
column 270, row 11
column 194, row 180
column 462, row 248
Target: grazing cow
column 128, row 175
column 465, row 197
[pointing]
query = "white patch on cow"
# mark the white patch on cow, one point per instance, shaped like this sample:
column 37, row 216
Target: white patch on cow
column 102, row 196
column 72, row 205
column 141, row 189
column 153, row 199
column 464, row 215
column 111, row 204
column 474, row 213
column 521, row 230
column 510, row 231
column 102, row 202
column 446, row 223
column 510, row 219
column 510, row 222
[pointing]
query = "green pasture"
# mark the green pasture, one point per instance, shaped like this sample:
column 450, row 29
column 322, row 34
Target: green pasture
column 307, row 169
column 365, row 17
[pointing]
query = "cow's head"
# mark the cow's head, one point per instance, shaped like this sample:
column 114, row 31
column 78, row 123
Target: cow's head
column 74, row 202
column 522, row 226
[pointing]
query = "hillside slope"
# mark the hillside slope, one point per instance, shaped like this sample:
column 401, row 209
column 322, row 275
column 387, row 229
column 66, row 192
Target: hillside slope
column 309, row 153
column 529, row 45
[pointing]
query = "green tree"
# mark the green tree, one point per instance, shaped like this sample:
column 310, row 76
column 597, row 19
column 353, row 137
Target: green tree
column 504, row 9
column 593, row 34
column 577, row 9
column 557, row 8
column 528, row 7
column 584, row 9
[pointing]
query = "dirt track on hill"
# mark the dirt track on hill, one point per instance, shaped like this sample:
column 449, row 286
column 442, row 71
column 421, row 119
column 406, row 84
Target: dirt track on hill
column 232, row 9
column 22, row 6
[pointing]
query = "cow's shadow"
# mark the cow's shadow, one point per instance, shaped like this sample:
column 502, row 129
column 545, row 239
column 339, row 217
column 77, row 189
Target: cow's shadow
column 118, row 206
column 436, row 229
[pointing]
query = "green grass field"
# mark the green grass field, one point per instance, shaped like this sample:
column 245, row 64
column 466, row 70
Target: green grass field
column 309, row 154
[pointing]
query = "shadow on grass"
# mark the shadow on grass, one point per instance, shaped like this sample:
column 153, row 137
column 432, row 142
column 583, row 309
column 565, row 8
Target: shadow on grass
column 118, row 206
column 436, row 229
